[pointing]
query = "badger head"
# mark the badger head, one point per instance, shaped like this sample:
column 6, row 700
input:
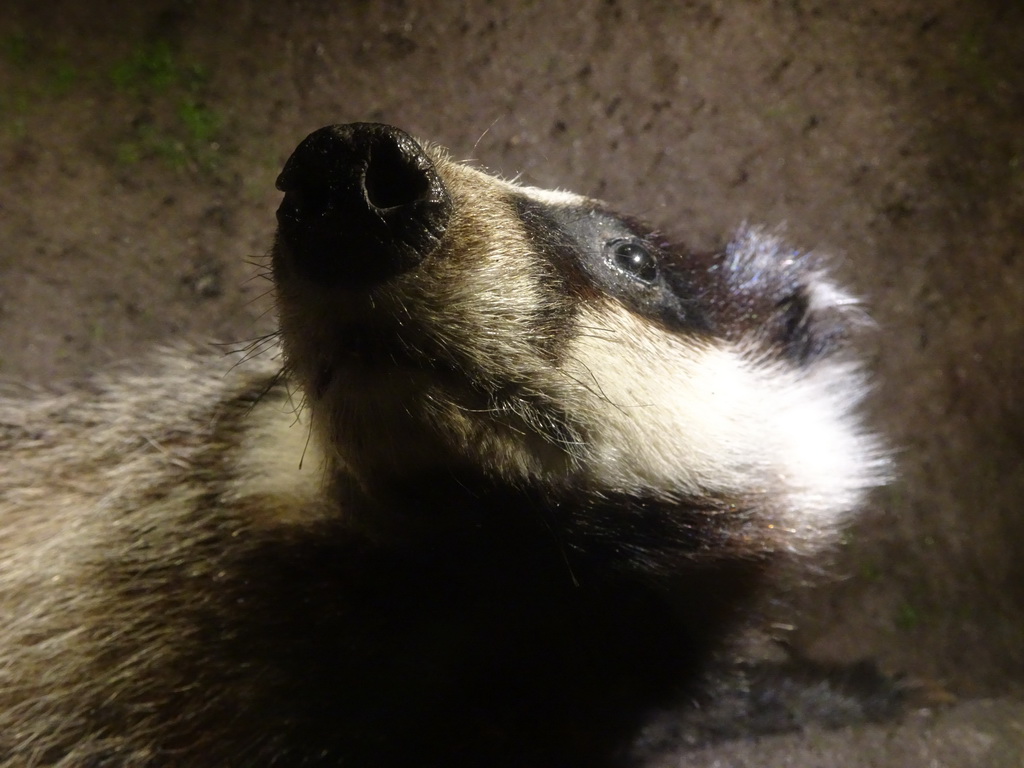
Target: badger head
column 449, row 329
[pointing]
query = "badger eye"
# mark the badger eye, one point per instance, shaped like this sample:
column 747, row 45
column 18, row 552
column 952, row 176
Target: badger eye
column 634, row 258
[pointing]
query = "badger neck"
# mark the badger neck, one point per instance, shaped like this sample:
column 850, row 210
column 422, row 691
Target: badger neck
column 560, row 536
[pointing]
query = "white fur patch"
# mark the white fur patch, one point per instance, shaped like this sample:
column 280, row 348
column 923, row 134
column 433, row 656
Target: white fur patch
column 554, row 197
column 278, row 463
column 670, row 414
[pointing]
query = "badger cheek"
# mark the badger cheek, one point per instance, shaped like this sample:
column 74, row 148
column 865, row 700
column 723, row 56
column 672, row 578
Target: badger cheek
column 699, row 395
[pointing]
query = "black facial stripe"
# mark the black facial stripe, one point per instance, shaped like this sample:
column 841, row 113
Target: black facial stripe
column 549, row 237
column 565, row 285
column 586, row 244
column 757, row 289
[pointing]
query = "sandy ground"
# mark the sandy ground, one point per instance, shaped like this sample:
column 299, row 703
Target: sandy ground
column 139, row 143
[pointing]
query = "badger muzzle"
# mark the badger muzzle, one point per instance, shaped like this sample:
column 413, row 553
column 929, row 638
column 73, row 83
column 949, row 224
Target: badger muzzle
column 363, row 203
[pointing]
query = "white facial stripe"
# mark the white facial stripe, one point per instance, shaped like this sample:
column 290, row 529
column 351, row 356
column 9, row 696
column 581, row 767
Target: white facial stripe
column 714, row 420
column 555, row 197
column 666, row 413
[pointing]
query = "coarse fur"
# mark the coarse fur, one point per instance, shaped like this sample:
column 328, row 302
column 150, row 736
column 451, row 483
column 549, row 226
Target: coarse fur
column 489, row 506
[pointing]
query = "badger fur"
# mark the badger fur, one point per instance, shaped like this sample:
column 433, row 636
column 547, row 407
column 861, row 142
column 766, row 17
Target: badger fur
column 515, row 467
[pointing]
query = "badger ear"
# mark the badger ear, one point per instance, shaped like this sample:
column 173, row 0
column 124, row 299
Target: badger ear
column 780, row 298
column 802, row 331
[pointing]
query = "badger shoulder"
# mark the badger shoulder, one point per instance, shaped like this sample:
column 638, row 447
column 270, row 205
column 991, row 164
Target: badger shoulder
column 130, row 508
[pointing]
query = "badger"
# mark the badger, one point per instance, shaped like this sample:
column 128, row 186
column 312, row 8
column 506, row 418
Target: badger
column 508, row 475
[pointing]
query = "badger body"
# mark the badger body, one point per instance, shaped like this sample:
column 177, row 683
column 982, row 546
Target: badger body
column 513, row 470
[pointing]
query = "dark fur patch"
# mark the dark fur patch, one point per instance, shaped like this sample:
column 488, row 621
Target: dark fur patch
column 576, row 240
column 555, row 244
column 518, row 631
column 764, row 293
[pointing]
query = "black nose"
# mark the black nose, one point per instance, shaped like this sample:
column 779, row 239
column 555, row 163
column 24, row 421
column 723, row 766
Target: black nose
column 362, row 203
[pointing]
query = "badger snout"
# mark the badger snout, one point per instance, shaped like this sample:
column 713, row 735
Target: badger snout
column 363, row 203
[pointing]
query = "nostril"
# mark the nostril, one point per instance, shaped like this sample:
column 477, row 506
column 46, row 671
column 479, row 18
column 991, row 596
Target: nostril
column 393, row 178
